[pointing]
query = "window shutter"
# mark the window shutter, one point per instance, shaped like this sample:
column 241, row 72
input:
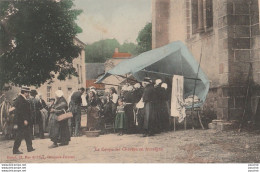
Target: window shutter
column 194, row 5
column 209, row 14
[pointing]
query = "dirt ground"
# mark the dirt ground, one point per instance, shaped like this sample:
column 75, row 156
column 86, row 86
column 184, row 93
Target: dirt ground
column 190, row 146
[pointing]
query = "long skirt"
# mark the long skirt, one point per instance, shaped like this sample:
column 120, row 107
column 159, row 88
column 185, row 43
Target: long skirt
column 92, row 117
column 58, row 131
column 158, row 116
column 164, row 120
column 121, row 121
column 130, row 116
column 149, row 116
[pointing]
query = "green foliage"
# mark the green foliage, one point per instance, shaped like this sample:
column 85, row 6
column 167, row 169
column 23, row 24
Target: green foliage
column 100, row 51
column 43, row 32
column 128, row 47
column 144, row 39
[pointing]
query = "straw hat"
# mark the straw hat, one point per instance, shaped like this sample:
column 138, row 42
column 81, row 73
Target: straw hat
column 24, row 88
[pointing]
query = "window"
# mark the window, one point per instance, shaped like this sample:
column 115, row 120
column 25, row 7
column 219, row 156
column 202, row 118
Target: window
column 81, row 79
column 48, row 93
column 59, row 88
column 202, row 15
column 69, row 91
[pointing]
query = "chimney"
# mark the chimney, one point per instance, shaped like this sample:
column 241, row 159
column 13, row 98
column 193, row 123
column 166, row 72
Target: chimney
column 116, row 50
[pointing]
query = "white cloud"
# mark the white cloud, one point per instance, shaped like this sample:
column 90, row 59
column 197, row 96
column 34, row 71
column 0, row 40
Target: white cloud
column 121, row 20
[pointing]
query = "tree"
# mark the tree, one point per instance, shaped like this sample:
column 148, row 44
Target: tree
column 101, row 50
column 128, row 47
column 144, row 39
column 40, row 38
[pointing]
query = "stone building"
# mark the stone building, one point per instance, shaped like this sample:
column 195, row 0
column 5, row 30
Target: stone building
column 93, row 71
column 70, row 84
column 115, row 81
column 226, row 34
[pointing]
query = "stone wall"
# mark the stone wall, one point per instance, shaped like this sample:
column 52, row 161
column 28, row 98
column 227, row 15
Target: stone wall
column 227, row 50
column 161, row 11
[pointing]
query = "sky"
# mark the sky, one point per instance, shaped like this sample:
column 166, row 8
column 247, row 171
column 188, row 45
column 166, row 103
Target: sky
column 119, row 19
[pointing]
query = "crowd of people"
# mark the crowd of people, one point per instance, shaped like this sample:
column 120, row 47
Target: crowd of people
column 140, row 108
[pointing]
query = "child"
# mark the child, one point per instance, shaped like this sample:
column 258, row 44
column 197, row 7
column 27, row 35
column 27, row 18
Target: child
column 120, row 121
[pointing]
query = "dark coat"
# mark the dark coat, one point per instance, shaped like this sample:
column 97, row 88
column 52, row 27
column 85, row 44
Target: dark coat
column 149, row 113
column 59, row 131
column 43, row 104
column 35, row 110
column 76, row 98
column 22, row 111
column 149, row 93
column 137, row 94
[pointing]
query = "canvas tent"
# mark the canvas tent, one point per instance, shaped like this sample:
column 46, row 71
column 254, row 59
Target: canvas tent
column 164, row 62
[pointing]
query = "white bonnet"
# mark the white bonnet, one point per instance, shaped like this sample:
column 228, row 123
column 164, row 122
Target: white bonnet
column 137, row 85
column 59, row 93
column 158, row 81
column 164, row 85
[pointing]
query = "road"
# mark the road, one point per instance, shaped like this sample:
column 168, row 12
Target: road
column 190, row 146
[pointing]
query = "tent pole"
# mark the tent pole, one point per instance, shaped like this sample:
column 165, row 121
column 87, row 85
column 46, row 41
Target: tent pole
column 195, row 84
column 128, row 78
column 111, row 84
column 169, row 74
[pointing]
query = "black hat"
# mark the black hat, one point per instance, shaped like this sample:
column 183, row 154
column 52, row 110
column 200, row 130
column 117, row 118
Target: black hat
column 34, row 92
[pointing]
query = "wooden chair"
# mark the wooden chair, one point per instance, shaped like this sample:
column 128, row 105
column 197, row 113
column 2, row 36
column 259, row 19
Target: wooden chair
column 109, row 127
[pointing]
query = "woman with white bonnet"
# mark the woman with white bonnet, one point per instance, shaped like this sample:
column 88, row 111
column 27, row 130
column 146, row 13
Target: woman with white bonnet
column 59, row 130
column 138, row 108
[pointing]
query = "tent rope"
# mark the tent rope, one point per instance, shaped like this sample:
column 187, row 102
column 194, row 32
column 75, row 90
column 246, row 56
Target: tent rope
column 181, row 63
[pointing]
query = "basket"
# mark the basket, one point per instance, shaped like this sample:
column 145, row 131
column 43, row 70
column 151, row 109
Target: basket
column 92, row 133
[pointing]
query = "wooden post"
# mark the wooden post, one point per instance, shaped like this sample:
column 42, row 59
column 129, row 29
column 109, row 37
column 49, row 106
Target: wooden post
column 174, row 126
column 192, row 119
column 200, row 120
column 185, row 123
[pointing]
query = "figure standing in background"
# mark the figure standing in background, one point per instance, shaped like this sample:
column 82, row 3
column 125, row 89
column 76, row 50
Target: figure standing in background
column 149, row 115
column 36, row 115
column 113, row 97
column 121, row 118
column 75, row 108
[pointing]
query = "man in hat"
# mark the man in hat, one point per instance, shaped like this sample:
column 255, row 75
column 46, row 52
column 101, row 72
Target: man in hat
column 23, row 121
column 148, row 99
column 75, row 107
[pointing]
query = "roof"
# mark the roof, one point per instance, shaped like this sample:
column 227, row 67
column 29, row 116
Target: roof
column 164, row 62
column 121, row 55
column 79, row 41
column 94, row 70
column 90, row 83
